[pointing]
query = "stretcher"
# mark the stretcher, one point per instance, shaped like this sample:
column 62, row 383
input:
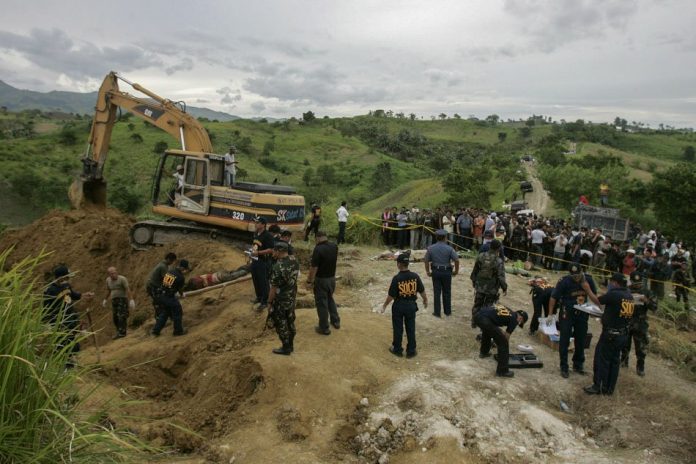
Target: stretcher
column 523, row 361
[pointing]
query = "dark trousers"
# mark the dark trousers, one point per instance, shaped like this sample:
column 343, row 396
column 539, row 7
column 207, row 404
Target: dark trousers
column 572, row 323
column 607, row 359
column 283, row 317
column 171, row 308
column 119, row 307
column 540, row 301
column 313, row 226
column 404, row 317
column 638, row 333
column 324, row 288
column 467, row 241
column 404, row 238
column 491, row 332
column 341, row 233
column 153, row 293
column 480, row 300
column 442, row 286
column 259, row 275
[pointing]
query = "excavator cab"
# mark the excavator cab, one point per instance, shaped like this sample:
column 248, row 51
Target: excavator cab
column 188, row 191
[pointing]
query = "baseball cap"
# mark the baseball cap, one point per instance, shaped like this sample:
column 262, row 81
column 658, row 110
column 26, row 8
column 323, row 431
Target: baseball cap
column 441, row 233
column 184, row 264
column 619, row 278
column 403, row 258
column 575, row 268
column 280, row 246
column 179, row 167
column 525, row 317
column 61, row 271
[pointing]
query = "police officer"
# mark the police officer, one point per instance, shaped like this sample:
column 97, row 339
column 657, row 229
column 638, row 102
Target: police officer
column 314, row 221
column 618, row 312
column 261, row 252
column 490, row 319
column 439, row 260
column 638, row 327
column 154, row 281
column 59, row 310
column 403, row 292
column 541, row 294
column 573, row 289
column 281, row 299
column 487, row 277
column 172, row 285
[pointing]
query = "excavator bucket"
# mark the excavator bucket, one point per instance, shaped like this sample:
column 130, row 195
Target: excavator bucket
column 85, row 193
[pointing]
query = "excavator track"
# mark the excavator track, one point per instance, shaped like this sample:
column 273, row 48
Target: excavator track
column 147, row 234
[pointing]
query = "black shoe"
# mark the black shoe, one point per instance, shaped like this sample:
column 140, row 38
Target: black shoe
column 579, row 370
column 394, row 352
column 479, row 337
column 592, row 390
column 505, row 374
column 118, row 336
column 284, row 350
column 436, row 315
column 321, row 331
column 565, row 374
column 412, row 354
column 624, row 362
column 640, row 371
column 484, row 355
column 154, row 334
column 179, row 334
column 532, row 333
column 336, row 325
column 262, row 307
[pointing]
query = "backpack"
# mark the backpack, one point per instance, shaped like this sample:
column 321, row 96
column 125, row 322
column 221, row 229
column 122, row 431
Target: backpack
column 489, row 265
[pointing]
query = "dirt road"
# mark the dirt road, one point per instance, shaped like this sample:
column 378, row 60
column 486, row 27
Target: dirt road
column 538, row 200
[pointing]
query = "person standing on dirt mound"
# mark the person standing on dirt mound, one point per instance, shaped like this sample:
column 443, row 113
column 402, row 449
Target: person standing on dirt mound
column 281, row 300
column 573, row 289
column 59, row 310
column 439, row 260
column 618, row 312
column 172, row 285
column 314, row 222
column 121, row 296
column 403, row 291
column 261, row 255
column 487, row 276
column 490, row 319
column 322, row 275
column 154, row 281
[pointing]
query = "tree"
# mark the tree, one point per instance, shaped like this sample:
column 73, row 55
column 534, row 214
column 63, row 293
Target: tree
column 327, row 174
column 67, row 136
column 160, row 147
column 442, row 116
column 502, row 136
column 689, row 153
column 525, row 132
column 476, row 193
column 382, row 178
column 492, row 119
column 456, row 116
column 673, row 191
column 137, row 138
column 268, row 147
column 308, row 116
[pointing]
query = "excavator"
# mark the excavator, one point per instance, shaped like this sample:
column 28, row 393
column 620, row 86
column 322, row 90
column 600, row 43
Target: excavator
column 188, row 184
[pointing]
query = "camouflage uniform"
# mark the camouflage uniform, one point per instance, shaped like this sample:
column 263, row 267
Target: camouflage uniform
column 119, row 308
column 487, row 276
column 284, row 279
column 638, row 328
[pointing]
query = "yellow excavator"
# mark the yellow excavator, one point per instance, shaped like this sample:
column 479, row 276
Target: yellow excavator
column 198, row 202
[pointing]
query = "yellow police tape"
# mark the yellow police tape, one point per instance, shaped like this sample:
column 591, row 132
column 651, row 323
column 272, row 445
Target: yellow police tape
column 602, row 271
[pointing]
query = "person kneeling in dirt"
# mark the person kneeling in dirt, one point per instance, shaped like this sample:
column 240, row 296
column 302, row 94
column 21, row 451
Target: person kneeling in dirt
column 403, row 292
column 59, row 311
column 489, row 319
column 121, row 296
column 281, row 299
column 154, row 281
column 618, row 312
column 172, row 284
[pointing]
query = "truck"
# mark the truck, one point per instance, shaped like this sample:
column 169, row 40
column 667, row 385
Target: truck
column 201, row 204
column 607, row 219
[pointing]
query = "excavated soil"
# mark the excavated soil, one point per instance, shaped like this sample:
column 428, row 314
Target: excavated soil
column 218, row 394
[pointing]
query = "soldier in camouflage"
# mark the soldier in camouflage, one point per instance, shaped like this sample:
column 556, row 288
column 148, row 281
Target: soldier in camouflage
column 281, row 299
column 638, row 327
column 487, row 277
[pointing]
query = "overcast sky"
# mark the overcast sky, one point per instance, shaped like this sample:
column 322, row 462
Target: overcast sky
column 591, row 59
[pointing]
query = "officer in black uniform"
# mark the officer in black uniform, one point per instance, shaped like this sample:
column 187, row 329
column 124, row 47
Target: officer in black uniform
column 575, row 288
column 172, row 285
column 403, row 292
column 618, row 311
column 262, row 253
column 489, row 319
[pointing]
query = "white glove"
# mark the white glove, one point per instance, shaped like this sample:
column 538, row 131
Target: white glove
column 131, row 304
column 104, row 304
column 551, row 320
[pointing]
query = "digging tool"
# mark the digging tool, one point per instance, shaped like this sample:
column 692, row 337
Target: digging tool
column 94, row 335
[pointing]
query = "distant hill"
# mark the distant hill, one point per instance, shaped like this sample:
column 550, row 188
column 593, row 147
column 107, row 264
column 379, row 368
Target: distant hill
column 15, row 99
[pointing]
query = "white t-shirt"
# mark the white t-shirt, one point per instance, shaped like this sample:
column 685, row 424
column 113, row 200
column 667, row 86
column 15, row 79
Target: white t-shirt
column 342, row 214
column 538, row 236
column 179, row 180
column 231, row 167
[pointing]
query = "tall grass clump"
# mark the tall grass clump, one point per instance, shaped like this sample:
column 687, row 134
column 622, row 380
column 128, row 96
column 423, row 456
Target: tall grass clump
column 43, row 416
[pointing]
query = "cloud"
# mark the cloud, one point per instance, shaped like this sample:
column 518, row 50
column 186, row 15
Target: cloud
column 258, row 106
column 322, row 85
column 54, row 50
column 441, row 76
column 228, row 95
column 287, row 47
column 186, row 64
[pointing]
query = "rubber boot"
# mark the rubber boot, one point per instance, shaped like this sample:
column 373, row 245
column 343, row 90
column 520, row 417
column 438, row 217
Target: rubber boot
column 285, row 349
column 291, row 344
column 640, row 367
